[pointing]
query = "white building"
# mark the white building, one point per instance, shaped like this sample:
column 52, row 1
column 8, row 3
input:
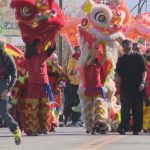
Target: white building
column 8, row 24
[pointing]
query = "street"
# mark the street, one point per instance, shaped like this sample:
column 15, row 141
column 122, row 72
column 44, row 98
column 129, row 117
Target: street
column 75, row 138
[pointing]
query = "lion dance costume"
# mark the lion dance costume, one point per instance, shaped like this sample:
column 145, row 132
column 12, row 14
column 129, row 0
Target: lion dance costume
column 38, row 19
column 103, row 22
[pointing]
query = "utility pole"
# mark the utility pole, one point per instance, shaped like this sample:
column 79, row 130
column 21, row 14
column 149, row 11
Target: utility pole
column 60, row 39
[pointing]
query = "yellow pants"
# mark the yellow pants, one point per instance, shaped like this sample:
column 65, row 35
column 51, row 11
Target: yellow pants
column 146, row 118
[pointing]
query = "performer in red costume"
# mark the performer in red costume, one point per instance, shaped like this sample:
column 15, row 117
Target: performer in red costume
column 37, row 106
column 57, row 78
column 94, row 105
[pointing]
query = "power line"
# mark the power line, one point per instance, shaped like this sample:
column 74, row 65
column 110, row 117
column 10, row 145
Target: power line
column 140, row 6
column 65, row 5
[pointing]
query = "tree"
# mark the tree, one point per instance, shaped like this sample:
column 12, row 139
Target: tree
column 72, row 9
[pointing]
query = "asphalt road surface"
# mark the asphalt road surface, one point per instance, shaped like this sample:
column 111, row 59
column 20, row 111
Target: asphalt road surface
column 75, row 138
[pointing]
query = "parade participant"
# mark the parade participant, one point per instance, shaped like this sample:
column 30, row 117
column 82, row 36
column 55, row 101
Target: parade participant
column 131, row 71
column 57, row 79
column 73, row 88
column 8, row 76
column 146, row 111
column 94, row 104
column 36, row 105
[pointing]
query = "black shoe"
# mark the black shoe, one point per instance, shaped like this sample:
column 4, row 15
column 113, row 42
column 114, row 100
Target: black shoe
column 135, row 133
column 44, row 131
column 87, row 131
column 39, row 131
column 145, row 131
column 32, row 134
column 121, row 131
column 97, row 129
column 93, row 131
column 100, row 129
column 74, row 124
column 65, row 121
column 80, row 124
column 52, row 129
column 102, row 132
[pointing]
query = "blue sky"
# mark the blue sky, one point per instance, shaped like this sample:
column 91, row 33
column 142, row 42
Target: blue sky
column 131, row 4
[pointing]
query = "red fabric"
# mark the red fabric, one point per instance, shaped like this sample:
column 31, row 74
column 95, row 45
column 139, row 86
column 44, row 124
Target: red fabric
column 105, row 70
column 148, row 81
column 76, row 55
column 100, row 52
column 87, row 37
column 37, row 67
column 92, row 79
column 53, row 81
column 37, row 91
column 32, row 26
column 58, row 100
column 59, row 75
column 16, row 50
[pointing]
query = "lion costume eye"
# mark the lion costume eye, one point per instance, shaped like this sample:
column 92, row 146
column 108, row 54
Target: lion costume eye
column 42, row 2
column 25, row 11
column 100, row 17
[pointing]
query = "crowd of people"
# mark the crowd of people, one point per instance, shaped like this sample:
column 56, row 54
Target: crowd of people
column 47, row 88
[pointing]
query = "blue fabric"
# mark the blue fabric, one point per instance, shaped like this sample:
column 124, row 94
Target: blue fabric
column 50, row 93
column 104, row 93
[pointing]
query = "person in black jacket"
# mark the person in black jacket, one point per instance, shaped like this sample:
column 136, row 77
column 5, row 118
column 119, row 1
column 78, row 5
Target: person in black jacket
column 8, row 76
column 130, row 75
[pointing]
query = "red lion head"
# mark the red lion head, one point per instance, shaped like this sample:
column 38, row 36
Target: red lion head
column 38, row 19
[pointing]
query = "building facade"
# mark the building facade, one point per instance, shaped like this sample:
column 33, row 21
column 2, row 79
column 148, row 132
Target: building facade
column 8, row 24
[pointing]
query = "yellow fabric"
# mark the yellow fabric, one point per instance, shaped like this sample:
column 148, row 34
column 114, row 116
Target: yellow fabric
column 72, row 64
column 45, row 113
column 146, row 118
column 37, row 114
column 17, row 136
column 95, row 111
column 31, row 113
column 88, row 6
column 90, row 98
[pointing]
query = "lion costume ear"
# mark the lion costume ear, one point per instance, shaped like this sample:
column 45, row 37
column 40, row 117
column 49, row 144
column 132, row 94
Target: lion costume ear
column 87, row 6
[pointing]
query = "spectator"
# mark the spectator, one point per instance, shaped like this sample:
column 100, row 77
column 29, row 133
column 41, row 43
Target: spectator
column 147, row 51
column 136, row 48
column 131, row 70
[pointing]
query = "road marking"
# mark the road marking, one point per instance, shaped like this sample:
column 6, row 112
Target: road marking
column 99, row 142
column 109, row 141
